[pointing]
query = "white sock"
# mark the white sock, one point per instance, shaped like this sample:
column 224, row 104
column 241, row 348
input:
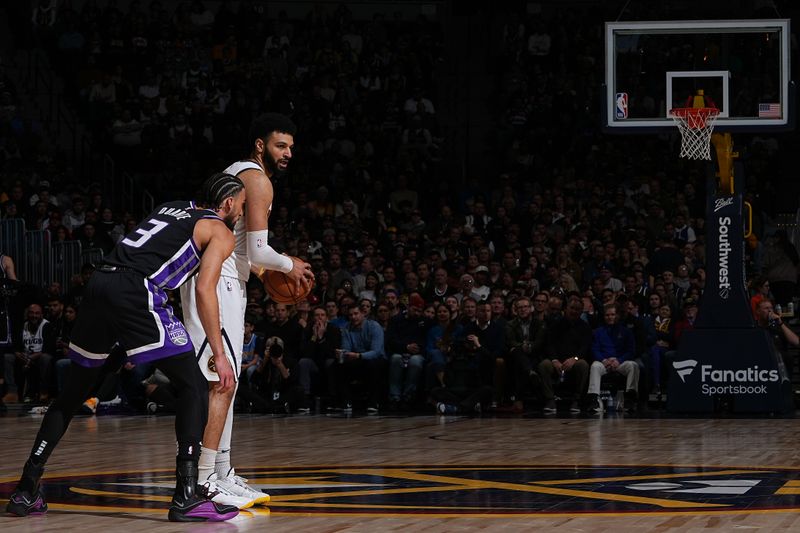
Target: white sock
column 223, row 463
column 206, row 465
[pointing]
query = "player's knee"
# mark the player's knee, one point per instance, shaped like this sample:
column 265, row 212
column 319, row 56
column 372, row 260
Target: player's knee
column 216, row 392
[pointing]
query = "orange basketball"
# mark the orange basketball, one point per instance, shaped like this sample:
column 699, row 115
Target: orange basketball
column 282, row 289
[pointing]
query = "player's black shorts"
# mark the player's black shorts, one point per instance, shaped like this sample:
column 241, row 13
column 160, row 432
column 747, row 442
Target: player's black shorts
column 125, row 307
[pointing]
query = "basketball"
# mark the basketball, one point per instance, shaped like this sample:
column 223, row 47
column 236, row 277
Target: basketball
column 282, row 289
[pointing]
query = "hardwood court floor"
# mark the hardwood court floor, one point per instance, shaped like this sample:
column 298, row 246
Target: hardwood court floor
column 430, row 473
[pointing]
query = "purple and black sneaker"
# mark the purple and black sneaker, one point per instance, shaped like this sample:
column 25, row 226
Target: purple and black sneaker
column 23, row 503
column 200, row 509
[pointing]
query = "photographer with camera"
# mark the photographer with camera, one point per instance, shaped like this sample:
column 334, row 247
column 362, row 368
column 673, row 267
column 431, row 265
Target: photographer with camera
column 276, row 378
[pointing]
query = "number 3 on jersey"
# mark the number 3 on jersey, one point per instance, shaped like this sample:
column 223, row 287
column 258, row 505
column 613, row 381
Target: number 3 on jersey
column 145, row 234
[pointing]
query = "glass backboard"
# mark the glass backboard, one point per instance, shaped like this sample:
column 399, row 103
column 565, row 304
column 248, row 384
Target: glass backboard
column 742, row 66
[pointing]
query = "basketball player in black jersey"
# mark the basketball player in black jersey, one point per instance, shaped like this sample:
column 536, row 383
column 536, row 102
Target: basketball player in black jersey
column 126, row 304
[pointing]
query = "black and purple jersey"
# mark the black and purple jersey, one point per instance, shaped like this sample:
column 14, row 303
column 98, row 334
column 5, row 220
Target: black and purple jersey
column 126, row 303
column 161, row 247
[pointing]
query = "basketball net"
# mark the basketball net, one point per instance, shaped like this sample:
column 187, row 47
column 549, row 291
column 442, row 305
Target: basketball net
column 696, row 125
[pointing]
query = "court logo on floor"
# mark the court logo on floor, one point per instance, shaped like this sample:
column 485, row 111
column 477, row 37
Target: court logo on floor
column 510, row 490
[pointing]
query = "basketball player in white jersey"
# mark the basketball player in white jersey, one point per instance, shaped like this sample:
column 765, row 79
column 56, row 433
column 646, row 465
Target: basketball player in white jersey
column 272, row 137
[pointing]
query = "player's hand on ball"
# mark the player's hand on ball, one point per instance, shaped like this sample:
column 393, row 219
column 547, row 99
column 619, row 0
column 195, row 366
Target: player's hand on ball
column 301, row 274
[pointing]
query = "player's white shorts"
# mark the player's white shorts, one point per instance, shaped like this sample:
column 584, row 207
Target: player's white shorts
column 232, row 295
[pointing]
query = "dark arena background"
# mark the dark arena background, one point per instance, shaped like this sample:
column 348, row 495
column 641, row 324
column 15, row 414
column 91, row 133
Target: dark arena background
column 586, row 314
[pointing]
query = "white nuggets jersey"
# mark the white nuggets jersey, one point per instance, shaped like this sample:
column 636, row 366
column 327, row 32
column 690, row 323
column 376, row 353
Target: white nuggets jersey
column 238, row 264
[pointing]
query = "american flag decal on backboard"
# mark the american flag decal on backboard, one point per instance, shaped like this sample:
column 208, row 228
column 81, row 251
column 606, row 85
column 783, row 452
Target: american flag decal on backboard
column 769, row 110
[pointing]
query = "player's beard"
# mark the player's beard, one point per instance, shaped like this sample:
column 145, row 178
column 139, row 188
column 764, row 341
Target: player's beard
column 229, row 221
column 273, row 169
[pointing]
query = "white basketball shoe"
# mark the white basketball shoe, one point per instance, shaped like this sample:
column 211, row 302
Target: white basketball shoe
column 217, row 490
column 238, row 485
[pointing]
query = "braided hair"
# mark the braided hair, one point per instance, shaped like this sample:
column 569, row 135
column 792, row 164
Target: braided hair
column 218, row 188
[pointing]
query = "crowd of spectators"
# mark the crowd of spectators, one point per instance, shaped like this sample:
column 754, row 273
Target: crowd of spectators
column 580, row 254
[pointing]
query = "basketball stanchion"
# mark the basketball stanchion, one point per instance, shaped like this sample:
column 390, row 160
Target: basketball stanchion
column 725, row 363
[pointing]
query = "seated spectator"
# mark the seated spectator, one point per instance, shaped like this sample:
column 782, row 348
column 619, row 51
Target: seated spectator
column 322, row 285
column 367, row 306
column 614, row 350
column 334, row 317
column 383, row 315
column 75, row 216
column 371, row 287
column 135, row 382
column 499, row 309
column 468, row 311
column 61, row 318
column 405, row 345
column 362, row 357
column 440, row 288
column 567, row 350
column 481, row 290
column 28, row 359
column 487, row 338
column 321, row 339
column 391, row 299
column 664, row 330
column 761, row 292
column 540, row 306
column 160, row 395
column 782, row 335
column 471, row 364
column 608, row 279
column 687, row 322
column 675, row 293
column 302, row 313
column 525, row 338
column 251, row 350
column 90, row 238
column 466, row 285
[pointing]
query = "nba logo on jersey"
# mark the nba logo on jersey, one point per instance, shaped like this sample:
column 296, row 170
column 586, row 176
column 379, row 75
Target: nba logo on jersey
column 177, row 334
column 622, row 105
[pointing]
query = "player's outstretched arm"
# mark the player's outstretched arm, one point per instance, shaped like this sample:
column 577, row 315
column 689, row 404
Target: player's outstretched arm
column 217, row 243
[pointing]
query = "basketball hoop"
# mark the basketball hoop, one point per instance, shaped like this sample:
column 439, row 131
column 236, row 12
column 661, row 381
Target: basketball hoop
column 696, row 125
